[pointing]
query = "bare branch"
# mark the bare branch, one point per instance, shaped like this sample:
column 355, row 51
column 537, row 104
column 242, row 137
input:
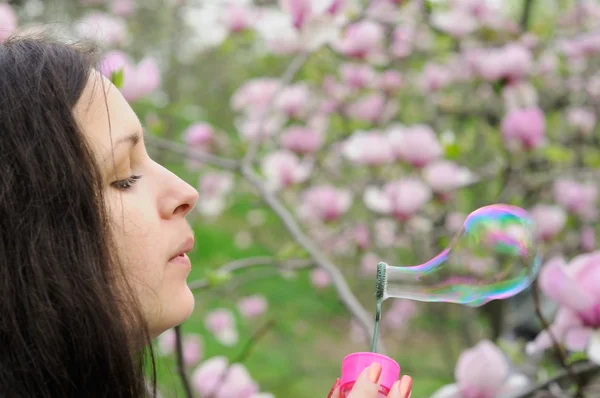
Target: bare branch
column 180, row 362
column 581, row 369
column 248, row 263
column 338, row 280
column 190, row 153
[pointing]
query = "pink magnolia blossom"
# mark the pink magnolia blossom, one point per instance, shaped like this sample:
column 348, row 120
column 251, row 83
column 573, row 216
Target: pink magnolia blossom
column 399, row 315
column 417, row 145
column 368, row 264
column 199, row 136
column 524, row 128
column 320, row 278
column 403, row 39
column 104, row 28
column 576, row 288
column 582, row 119
column 357, row 76
column 389, row 81
column 8, row 21
column 237, row 383
column 455, row 22
column 191, row 345
column 325, row 202
column 454, row 221
column 283, row 169
column 138, row 80
column 294, row 100
column 301, row 140
column 221, row 323
column 124, row 8
column 368, row 148
column 402, row 199
column 435, row 77
column 578, row 198
column 254, row 126
column 587, row 238
column 238, row 17
column 255, row 95
column 446, row 176
column 207, row 378
column 252, row 306
column 362, row 236
column 335, row 90
column 361, row 40
column 166, row 342
column 301, row 11
column 549, row 220
column 192, row 348
column 213, row 188
column 483, row 372
column 373, row 108
column 385, row 232
column 511, row 62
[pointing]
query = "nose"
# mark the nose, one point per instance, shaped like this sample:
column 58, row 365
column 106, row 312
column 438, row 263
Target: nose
column 180, row 197
column 189, row 198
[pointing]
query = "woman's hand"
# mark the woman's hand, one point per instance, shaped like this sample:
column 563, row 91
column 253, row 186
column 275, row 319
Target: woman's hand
column 367, row 385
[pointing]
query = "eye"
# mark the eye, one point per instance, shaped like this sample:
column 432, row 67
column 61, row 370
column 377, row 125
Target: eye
column 126, row 183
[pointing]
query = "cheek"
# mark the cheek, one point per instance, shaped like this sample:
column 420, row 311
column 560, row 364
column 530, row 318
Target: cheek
column 137, row 235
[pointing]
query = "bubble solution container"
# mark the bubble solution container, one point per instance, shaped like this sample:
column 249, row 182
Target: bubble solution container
column 354, row 364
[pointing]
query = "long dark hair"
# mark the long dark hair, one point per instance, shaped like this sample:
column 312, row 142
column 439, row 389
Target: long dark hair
column 64, row 325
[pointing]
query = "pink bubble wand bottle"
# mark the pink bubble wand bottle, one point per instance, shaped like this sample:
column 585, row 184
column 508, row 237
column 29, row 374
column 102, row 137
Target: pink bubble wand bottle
column 355, row 363
column 492, row 257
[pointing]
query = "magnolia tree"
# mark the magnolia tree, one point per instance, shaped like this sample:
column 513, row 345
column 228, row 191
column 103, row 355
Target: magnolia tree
column 389, row 122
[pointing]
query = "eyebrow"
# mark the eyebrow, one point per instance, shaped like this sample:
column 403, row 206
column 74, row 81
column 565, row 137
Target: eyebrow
column 134, row 139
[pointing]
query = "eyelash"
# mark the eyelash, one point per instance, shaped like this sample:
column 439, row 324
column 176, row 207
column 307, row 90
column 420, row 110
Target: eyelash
column 126, row 183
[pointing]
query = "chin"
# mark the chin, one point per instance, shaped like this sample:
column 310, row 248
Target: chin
column 176, row 311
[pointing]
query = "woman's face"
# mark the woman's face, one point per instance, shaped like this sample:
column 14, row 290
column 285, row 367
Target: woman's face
column 147, row 205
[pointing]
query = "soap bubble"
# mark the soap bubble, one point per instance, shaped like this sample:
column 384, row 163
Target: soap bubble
column 493, row 256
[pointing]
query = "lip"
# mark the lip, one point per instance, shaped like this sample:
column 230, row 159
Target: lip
column 185, row 247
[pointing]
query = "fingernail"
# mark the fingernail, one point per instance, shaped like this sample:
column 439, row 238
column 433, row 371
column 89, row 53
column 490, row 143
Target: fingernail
column 374, row 372
column 335, row 385
column 405, row 386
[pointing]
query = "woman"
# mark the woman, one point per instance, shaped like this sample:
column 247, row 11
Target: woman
column 93, row 231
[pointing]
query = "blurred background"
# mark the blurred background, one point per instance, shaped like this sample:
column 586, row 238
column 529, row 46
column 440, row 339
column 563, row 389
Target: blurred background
column 376, row 126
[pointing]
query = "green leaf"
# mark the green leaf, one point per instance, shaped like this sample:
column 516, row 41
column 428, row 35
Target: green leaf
column 558, row 154
column 591, row 157
column 577, row 357
column 452, row 151
column 290, row 251
column 217, row 277
column 117, row 77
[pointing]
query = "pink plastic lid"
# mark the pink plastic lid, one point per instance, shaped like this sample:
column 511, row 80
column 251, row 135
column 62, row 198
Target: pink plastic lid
column 354, row 364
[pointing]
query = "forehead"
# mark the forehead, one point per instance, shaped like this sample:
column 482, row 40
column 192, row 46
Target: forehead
column 103, row 114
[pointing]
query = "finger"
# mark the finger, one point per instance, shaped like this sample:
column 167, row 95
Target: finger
column 335, row 390
column 401, row 388
column 367, row 384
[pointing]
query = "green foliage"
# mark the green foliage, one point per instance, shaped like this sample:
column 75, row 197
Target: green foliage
column 117, row 78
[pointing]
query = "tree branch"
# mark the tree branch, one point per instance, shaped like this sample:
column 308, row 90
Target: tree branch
column 561, row 355
column 338, row 280
column 190, row 153
column 582, row 369
column 248, row 263
column 526, row 15
column 180, row 362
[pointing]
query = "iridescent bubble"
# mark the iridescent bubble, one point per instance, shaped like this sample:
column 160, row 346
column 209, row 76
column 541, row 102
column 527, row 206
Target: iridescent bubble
column 493, row 256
